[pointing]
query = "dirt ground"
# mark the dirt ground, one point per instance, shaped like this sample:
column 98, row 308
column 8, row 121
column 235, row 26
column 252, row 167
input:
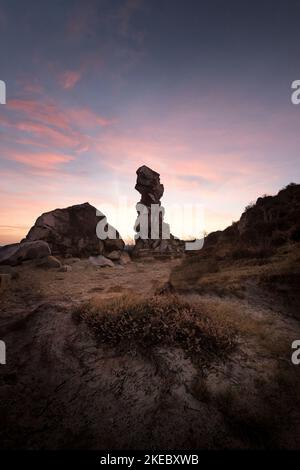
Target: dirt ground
column 61, row 389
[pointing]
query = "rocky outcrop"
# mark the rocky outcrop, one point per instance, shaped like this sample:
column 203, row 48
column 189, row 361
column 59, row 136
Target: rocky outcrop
column 153, row 234
column 18, row 252
column 263, row 227
column 276, row 218
column 72, row 231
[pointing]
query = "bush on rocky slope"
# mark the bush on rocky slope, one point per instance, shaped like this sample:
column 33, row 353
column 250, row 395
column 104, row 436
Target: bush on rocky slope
column 134, row 322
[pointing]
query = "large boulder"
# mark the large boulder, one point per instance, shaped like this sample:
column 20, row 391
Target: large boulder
column 72, row 231
column 18, row 252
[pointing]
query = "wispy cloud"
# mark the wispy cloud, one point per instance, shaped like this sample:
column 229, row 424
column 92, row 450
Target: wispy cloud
column 42, row 161
column 45, row 137
column 69, row 79
column 46, row 112
column 48, row 124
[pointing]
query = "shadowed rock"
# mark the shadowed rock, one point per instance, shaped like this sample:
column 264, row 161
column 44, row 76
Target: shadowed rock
column 149, row 186
column 72, row 231
column 18, row 252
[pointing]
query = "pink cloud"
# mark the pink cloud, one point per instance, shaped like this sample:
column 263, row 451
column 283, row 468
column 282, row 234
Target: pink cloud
column 34, row 88
column 52, row 136
column 31, row 86
column 46, row 112
column 69, row 79
column 85, row 117
column 48, row 125
column 42, row 160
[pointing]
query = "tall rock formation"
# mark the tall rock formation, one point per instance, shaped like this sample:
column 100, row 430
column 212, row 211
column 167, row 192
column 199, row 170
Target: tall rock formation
column 153, row 234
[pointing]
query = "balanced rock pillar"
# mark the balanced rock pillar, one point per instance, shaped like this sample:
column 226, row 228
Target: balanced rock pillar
column 153, row 234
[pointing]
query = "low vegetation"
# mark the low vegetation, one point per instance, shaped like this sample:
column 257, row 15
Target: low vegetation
column 167, row 320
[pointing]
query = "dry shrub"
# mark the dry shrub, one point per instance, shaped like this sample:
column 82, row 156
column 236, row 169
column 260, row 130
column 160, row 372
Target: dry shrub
column 237, row 315
column 134, row 321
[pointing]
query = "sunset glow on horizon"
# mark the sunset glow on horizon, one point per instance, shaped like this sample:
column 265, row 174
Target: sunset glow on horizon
column 130, row 83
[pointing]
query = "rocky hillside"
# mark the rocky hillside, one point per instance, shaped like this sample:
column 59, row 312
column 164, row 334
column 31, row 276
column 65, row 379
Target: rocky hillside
column 271, row 222
column 259, row 254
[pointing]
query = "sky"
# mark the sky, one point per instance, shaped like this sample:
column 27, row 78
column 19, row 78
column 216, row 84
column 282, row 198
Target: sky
column 198, row 90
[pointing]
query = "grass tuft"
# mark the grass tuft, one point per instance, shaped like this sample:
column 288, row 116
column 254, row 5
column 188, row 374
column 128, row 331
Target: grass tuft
column 132, row 321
